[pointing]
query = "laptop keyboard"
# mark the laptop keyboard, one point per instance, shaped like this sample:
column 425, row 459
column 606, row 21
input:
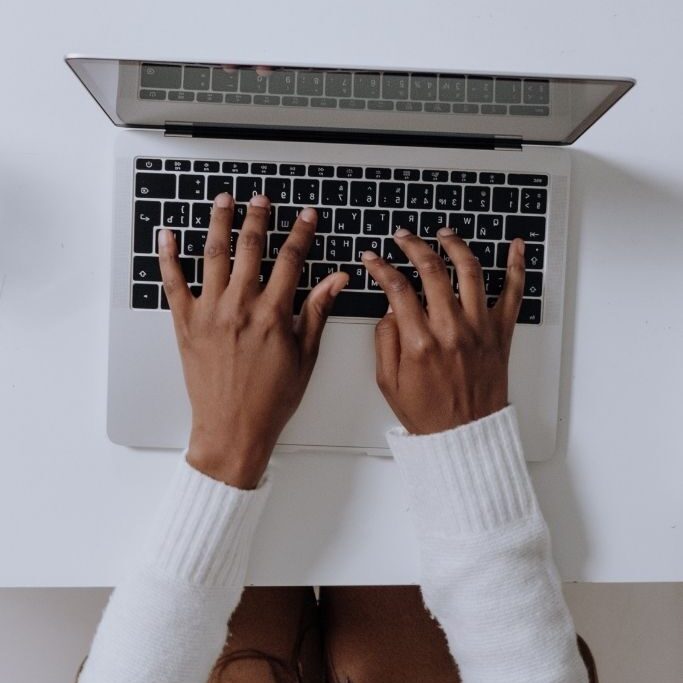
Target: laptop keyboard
column 336, row 89
column 359, row 208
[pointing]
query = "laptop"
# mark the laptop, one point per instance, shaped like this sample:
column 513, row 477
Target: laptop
column 374, row 150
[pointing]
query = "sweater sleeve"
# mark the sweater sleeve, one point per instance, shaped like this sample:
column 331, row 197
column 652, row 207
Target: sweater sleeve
column 487, row 572
column 168, row 620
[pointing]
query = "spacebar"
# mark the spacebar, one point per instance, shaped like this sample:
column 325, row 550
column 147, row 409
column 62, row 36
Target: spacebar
column 360, row 304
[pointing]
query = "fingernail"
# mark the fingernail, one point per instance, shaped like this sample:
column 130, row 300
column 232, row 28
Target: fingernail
column 521, row 246
column 260, row 200
column 444, row 232
column 402, row 232
column 309, row 215
column 338, row 284
column 223, row 200
column 369, row 256
column 164, row 238
column 390, row 309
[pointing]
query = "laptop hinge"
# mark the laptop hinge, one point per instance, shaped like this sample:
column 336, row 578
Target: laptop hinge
column 336, row 136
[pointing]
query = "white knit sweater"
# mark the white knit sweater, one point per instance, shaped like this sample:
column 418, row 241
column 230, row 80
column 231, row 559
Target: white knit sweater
column 487, row 572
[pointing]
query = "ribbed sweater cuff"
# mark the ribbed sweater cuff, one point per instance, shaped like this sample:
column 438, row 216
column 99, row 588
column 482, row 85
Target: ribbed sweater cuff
column 203, row 530
column 467, row 480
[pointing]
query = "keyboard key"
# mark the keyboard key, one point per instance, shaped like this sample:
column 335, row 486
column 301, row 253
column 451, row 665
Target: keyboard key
column 267, row 100
column 409, row 106
column 431, row 222
column 248, row 187
column 494, row 281
column 404, row 219
column 485, row 252
column 213, row 97
column 147, row 216
column 235, row 167
column 534, row 201
column 338, row 84
column 148, row 185
column 529, row 228
column 324, row 220
column 505, row 199
column 286, row 216
column 527, row 179
column 145, row 296
column 449, row 197
column 224, row 80
column 282, row 82
column 197, row 78
column 363, row 193
column 148, row 164
column 339, row 248
column 321, row 171
column 530, row 311
column 178, row 165
column 238, row 216
column 165, row 76
column 423, row 87
column 452, row 88
column 465, row 108
column 392, row 194
column 375, row 222
column 412, row 275
column 392, row 253
column 438, row 107
column 420, row 196
column 489, row 226
column 324, row 102
column 477, row 198
column 306, row 191
column 181, row 96
column 261, row 168
column 194, row 242
column 201, row 215
column 309, row 83
column 176, row 214
column 347, row 221
column 480, row 89
column 206, row 167
column 218, row 184
column 177, row 236
column 463, row 177
column 492, row 178
column 319, row 271
column 294, row 101
column 528, row 110
column 406, row 174
column 367, row 85
column 349, row 172
column 304, row 278
column 275, row 242
column 146, row 269
column 367, row 244
column 265, row 271
column 533, row 255
column 292, row 169
column 334, row 192
column 356, row 275
column 237, row 98
column 252, row 82
column 278, row 190
column 508, row 90
column 495, row 109
column 191, row 187
column 536, row 91
column 380, row 105
column 462, row 224
column 433, row 176
column 360, row 304
column 533, row 283
column 395, row 86
column 378, row 173
column 317, row 250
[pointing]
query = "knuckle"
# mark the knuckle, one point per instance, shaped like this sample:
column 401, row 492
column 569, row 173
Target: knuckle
column 216, row 247
column 469, row 267
column 172, row 284
column 250, row 240
column 423, row 345
column 397, row 284
column 431, row 265
column 292, row 252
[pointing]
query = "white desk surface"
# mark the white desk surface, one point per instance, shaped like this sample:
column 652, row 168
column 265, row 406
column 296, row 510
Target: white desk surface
column 72, row 504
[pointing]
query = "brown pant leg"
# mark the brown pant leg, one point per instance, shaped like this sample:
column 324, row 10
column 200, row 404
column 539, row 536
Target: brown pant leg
column 273, row 637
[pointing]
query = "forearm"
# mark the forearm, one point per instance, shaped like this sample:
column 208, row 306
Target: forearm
column 168, row 620
column 487, row 570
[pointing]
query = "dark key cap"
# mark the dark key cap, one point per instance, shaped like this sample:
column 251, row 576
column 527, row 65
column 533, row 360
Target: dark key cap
column 529, row 228
column 536, row 91
column 286, row 216
column 291, row 101
column 434, row 176
column 529, row 110
column 304, row 278
column 160, row 76
column 309, row 83
column 224, row 80
column 395, row 86
column 404, row 219
column 412, row 275
column 207, row 167
column 321, row 171
column 462, row 224
column 533, row 200
column 148, row 185
column 378, row 173
column 430, row 222
column 265, row 271
column 489, row 226
column 176, row 214
column 465, row 108
column 213, row 97
column 317, row 250
column 392, row 194
column 147, row 216
column 278, row 190
column 152, row 94
column 267, row 100
column 438, row 107
column 496, row 109
column 392, row 253
column 492, row 178
column 423, row 87
column 533, row 283
column 143, row 239
column 367, row 85
column 236, row 167
column 250, row 81
column 360, row 305
column 508, row 90
column 449, row 197
column 533, row 255
column 380, row 105
column 338, row 84
column 324, row 102
column 463, row 177
column 494, row 280
column 339, row 248
column 420, row 196
column 191, row 187
column 145, row 296
column 306, row 191
column 218, row 184
column 282, row 82
column 319, row 271
column 248, row 187
column 452, row 88
column 479, row 89
column 261, row 168
column 325, row 217
column 363, row 193
column 239, row 216
column 349, row 172
column 356, row 275
column 477, row 198
column 505, row 199
column 148, row 164
column 375, row 222
column 194, row 242
column 485, row 252
column 178, row 165
column 146, row 269
column 275, row 242
column 367, row 244
column 530, row 311
column 347, row 221
column 409, row 106
column 406, row 174
column 334, row 192
column 197, row 78
column 533, row 179
column 292, row 169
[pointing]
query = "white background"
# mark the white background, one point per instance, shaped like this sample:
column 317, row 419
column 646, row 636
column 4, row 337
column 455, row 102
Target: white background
column 71, row 503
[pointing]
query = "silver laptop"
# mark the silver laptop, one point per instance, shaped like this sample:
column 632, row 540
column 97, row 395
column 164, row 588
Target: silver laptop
column 373, row 150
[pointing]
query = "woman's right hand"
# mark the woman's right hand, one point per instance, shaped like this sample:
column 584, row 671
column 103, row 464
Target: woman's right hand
column 446, row 365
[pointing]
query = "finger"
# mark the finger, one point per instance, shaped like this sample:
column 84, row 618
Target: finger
column 511, row 299
column 291, row 259
column 250, row 246
column 217, row 247
column 315, row 311
column 432, row 269
column 410, row 315
column 387, row 351
column 468, row 270
column 175, row 285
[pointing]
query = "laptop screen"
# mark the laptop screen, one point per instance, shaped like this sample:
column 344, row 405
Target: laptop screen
column 348, row 104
